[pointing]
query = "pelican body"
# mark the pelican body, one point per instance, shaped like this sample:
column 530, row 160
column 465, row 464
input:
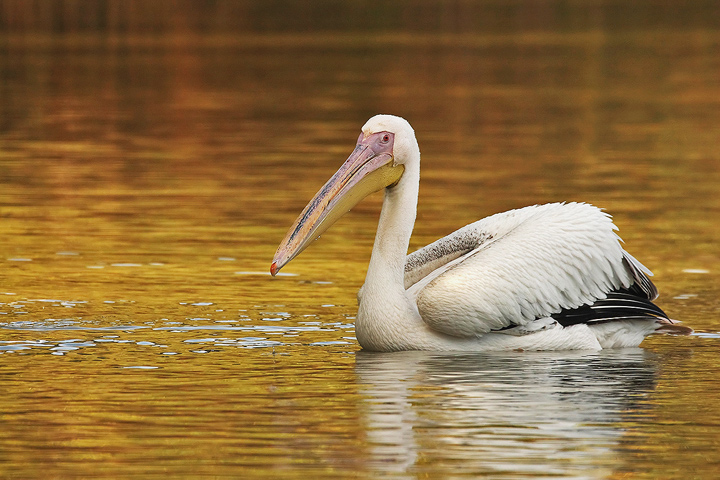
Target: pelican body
column 543, row 277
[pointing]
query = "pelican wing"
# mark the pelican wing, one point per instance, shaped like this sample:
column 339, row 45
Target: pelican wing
column 519, row 266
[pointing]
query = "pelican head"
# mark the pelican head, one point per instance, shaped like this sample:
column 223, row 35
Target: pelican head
column 378, row 161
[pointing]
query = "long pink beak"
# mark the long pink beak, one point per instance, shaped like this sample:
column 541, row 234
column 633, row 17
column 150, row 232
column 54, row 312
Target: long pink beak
column 369, row 168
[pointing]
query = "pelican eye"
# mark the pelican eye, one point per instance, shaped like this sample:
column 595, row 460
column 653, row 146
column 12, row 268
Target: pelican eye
column 385, row 138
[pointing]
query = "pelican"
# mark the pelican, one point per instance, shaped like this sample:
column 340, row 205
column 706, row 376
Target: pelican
column 543, row 277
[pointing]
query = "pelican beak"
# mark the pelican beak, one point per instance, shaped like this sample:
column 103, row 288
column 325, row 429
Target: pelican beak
column 369, row 168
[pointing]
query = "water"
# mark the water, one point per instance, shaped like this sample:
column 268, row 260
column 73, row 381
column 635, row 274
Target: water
column 151, row 163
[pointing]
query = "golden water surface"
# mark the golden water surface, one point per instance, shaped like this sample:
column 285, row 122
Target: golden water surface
column 151, row 159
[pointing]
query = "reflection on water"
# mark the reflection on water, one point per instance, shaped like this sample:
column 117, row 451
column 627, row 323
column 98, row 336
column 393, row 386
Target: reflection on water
column 539, row 415
column 153, row 154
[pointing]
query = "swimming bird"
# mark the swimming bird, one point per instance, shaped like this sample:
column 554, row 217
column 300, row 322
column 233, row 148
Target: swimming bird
column 542, row 277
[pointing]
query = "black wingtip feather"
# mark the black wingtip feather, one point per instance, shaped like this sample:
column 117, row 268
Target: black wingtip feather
column 623, row 304
column 643, row 286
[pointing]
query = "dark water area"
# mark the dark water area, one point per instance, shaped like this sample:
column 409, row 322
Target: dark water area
column 153, row 154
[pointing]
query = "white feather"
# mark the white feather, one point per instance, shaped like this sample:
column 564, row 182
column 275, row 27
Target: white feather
column 538, row 261
column 509, row 272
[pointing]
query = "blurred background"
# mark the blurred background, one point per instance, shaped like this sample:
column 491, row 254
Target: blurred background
column 178, row 132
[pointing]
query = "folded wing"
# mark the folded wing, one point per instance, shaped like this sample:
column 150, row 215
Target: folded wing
column 520, row 266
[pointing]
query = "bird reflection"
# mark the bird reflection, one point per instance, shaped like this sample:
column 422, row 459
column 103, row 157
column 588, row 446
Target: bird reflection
column 543, row 413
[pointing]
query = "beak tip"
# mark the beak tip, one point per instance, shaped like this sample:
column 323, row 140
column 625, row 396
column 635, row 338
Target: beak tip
column 274, row 269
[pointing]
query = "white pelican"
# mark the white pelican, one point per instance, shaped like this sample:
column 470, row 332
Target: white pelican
column 544, row 277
